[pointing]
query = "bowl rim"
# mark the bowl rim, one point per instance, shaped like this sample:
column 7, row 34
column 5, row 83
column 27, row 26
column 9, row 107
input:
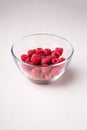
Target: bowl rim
column 38, row 34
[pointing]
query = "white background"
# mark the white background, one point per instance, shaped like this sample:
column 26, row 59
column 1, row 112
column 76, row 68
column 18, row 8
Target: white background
column 58, row 106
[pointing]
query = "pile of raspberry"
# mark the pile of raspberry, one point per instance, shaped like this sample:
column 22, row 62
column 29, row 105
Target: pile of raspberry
column 43, row 57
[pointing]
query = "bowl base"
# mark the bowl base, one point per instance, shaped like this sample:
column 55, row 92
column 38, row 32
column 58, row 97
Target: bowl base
column 44, row 82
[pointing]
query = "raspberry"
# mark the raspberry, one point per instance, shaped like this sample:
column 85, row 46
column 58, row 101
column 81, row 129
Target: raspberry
column 47, row 51
column 60, row 50
column 35, row 59
column 49, row 58
column 23, row 57
column 42, row 56
column 28, row 60
column 55, row 54
column 35, row 72
column 61, row 59
column 48, row 76
column 31, row 52
column 54, row 71
column 55, row 60
column 39, row 51
column 42, row 76
column 45, row 69
column 46, row 61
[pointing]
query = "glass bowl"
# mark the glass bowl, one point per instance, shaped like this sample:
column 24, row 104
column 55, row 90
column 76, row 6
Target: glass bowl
column 41, row 74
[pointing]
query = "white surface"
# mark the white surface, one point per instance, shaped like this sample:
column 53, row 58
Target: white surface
column 58, row 106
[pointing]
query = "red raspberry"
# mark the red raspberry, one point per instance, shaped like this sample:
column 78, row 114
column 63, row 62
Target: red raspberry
column 31, row 52
column 54, row 71
column 49, row 59
column 47, row 51
column 45, row 69
column 23, row 57
column 48, row 76
column 55, row 54
column 60, row 50
column 42, row 56
column 61, row 59
column 35, row 59
column 46, row 61
column 39, row 51
column 55, row 60
column 35, row 72
column 42, row 76
column 28, row 60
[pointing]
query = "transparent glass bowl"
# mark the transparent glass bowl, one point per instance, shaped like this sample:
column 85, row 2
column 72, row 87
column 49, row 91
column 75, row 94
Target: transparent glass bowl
column 39, row 74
